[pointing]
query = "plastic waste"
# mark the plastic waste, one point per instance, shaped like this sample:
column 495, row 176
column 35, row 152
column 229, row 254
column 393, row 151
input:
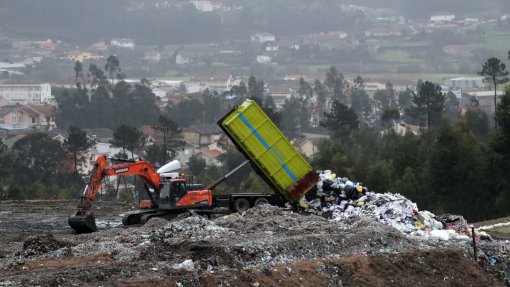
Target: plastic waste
column 460, row 237
column 439, row 235
column 186, row 265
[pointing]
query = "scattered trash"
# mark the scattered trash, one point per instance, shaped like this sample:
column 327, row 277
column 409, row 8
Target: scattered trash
column 342, row 199
column 186, row 265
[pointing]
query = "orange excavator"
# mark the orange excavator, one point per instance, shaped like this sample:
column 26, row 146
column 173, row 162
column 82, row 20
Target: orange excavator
column 168, row 195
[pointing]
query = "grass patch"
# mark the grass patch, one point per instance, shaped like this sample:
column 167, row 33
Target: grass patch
column 220, row 64
column 397, row 56
column 498, row 40
column 399, row 43
column 172, row 76
column 396, row 77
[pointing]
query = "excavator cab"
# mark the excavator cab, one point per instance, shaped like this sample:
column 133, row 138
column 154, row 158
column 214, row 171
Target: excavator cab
column 171, row 192
column 174, row 194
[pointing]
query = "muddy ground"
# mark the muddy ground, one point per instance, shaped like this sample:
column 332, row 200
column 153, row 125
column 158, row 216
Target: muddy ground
column 266, row 246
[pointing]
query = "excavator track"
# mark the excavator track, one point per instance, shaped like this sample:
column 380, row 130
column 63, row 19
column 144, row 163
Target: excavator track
column 83, row 222
column 139, row 218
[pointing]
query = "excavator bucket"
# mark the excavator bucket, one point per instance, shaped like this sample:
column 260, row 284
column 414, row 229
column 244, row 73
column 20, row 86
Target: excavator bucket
column 83, row 222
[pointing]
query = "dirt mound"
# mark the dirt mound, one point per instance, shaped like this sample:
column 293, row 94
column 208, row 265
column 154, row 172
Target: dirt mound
column 155, row 222
column 264, row 246
column 42, row 244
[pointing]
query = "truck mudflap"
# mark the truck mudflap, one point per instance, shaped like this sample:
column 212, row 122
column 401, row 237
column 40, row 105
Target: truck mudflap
column 271, row 154
column 302, row 186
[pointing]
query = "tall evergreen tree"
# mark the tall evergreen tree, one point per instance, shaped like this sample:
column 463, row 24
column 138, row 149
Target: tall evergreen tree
column 170, row 130
column 76, row 143
column 305, row 89
column 335, row 83
column 340, row 121
column 320, row 92
column 495, row 73
column 428, row 104
column 128, row 138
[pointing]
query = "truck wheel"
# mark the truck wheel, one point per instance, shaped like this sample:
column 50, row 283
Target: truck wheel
column 260, row 201
column 241, row 204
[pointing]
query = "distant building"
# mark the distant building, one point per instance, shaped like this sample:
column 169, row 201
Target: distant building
column 202, row 135
column 403, row 128
column 152, row 56
column 82, row 56
column 26, row 94
column 306, row 146
column 486, row 99
column 280, row 94
column 263, row 59
column 103, row 135
column 181, row 59
column 384, row 32
column 28, row 116
column 217, row 82
column 442, row 17
column 272, row 48
column 263, row 37
column 123, row 43
column 210, row 156
column 464, row 83
column 99, row 46
column 206, row 6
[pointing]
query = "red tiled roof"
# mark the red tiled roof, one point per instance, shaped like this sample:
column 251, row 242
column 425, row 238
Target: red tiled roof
column 47, row 110
column 280, row 89
column 211, row 153
column 299, row 142
column 149, row 131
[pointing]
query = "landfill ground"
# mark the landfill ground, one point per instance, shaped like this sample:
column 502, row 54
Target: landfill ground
column 265, row 246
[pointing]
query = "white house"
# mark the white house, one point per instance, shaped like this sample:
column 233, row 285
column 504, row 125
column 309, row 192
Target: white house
column 442, row 17
column 205, row 6
column 262, row 59
column 263, row 37
column 280, row 94
column 123, row 43
column 26, row 94
column 152, row 56
column 473, row 83
column 272, row 48
column 102, row 148
column 182, row 59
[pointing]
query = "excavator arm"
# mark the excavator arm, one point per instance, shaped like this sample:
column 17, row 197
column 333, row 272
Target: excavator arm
column 84, row 221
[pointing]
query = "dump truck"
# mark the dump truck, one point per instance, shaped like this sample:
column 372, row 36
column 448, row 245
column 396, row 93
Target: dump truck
column 268, row 151
column 271, row 154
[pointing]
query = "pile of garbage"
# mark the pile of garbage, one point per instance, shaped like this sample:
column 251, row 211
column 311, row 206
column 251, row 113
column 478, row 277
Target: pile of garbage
column 342, row 199
column 41, row 244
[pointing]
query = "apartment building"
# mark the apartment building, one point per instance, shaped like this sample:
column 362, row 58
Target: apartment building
column 26, row 94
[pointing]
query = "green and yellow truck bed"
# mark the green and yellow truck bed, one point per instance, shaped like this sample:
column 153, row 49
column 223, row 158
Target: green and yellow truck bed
column 270, row 152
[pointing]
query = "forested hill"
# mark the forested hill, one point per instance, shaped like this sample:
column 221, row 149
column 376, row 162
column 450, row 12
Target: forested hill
column 160, row 22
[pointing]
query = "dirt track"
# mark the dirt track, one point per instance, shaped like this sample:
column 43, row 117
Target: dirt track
column 264, row 247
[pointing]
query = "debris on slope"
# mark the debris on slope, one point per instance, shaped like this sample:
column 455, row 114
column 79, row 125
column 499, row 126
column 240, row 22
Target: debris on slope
column 344, row 200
